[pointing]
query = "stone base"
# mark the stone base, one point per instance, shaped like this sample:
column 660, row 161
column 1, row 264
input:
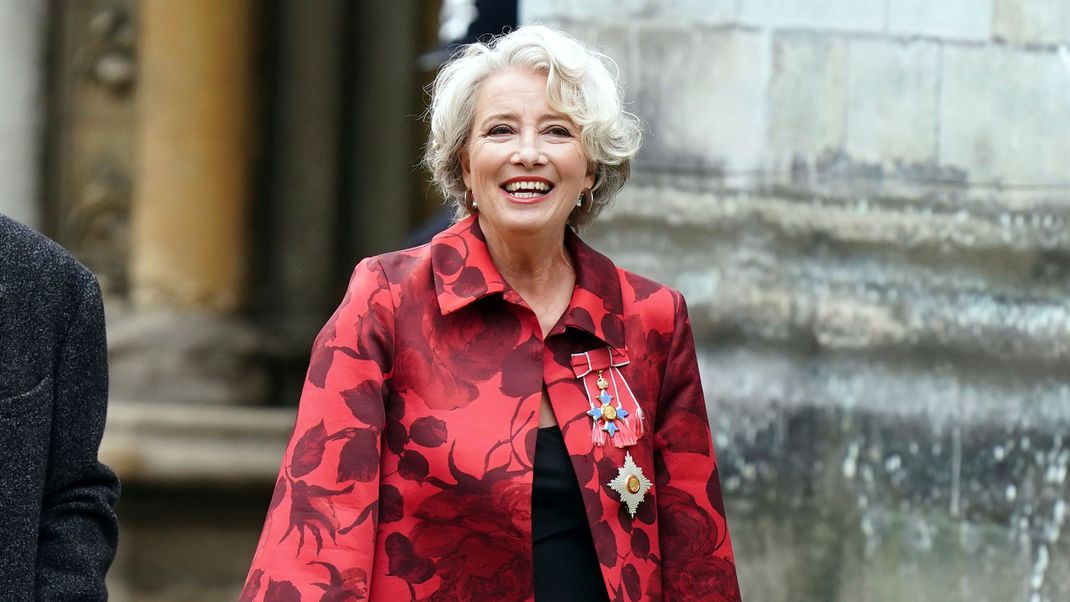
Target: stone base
column 196, row 484
column 195, row 358
column 187, row 544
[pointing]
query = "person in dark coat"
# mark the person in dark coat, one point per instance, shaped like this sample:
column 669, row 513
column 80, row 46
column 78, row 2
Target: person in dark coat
column 58, row 529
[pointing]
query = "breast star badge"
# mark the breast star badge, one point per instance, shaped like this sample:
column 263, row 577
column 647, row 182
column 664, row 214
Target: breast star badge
column 631, row 484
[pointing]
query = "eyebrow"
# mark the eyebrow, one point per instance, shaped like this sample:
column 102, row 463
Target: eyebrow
column 498, row 117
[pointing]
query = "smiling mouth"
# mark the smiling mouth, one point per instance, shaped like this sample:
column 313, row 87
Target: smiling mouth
column 528, row 189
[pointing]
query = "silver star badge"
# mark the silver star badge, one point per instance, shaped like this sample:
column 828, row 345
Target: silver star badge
column 631, row 484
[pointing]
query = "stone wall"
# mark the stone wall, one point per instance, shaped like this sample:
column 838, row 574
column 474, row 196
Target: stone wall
column 867, row 206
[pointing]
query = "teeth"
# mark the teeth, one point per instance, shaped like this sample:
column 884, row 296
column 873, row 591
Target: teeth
column 527, row 186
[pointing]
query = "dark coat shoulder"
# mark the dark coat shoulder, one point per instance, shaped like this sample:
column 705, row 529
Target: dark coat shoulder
column 42, row 287
column 57, row 525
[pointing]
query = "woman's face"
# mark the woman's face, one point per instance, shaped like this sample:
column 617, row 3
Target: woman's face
column 523, row 162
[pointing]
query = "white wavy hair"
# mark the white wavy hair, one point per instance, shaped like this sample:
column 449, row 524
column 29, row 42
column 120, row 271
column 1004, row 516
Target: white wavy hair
column 580, row 83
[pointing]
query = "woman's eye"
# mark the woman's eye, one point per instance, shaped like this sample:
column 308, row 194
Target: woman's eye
column 498, row 130
column 559, row 130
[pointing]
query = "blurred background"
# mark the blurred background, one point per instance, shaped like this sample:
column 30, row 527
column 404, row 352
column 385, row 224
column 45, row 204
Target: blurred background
column 866, row 203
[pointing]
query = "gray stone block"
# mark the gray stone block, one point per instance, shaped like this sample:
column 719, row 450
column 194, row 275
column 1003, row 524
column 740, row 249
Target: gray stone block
column 1005, row 116
column 697, row 11
column 807, row 99
column 892, row 111
column 702, row 95
column 538, row 11
column 553, row 11
column 841, row 15
column 618, row 41
column 676, row 11
column 953, row 19
column 1032, row 21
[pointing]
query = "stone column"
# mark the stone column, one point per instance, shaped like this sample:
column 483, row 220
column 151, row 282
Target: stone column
column 190, row 223
column 21, row 60
column 383, row 175
column 181, row 339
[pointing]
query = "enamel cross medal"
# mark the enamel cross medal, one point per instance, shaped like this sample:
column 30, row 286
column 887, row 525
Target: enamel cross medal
column 611, row 421
column 608, row 414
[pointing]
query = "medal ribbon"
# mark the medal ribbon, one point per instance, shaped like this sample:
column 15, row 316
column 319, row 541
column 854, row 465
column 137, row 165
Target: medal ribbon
column 610, row 397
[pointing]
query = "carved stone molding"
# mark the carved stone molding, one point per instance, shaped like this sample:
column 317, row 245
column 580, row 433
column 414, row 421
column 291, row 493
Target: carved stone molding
column 90, row 158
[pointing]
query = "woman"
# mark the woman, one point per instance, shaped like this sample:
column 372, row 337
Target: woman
column 504, row 414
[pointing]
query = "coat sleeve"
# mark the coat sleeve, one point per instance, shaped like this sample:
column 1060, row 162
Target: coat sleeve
column 78, row 529
column 697, row 560
column 318, row 540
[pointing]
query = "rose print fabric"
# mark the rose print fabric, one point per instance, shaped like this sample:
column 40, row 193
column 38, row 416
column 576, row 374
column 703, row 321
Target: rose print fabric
column 409, row 473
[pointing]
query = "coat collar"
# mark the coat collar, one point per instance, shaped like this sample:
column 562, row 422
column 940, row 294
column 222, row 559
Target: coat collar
column 464, row 273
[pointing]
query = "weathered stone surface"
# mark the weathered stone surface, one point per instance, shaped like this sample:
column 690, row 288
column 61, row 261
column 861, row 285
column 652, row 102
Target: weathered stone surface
column 828, row 515
column 603, row 11
column 22, row 34
column 549, row 11
column 846, row 274
column 888, row 467
column 843, row 15
column 1005, row 116
column 924, row 220
column 951, row 19
column 180, row 444
column 620, row 42
column 695, row 11
column 211, row 534
column 807, row 99
column 1032, row 21
column 882, row 371
column 194, row 358
column 196, row 478
column 91, row 153
column 892, row 109
column 704, row 92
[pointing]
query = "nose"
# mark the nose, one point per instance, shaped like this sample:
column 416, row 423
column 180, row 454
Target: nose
column 528, row 151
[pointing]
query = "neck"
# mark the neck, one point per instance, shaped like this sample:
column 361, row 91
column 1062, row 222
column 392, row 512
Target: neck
column 529, row 262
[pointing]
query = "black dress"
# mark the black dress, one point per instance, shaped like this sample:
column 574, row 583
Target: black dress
column 566, row 567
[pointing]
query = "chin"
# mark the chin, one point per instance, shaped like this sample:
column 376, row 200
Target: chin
column 525, row 224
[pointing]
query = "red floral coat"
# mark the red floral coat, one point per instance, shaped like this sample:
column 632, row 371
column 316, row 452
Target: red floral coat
column 409, row 473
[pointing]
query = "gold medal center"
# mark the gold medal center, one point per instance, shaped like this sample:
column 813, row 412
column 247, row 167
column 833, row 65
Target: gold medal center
column 609, row 412
column 633, row 484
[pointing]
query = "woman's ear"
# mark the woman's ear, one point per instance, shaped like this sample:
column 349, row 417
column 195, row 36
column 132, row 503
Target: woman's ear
column 590, row 178
column 466, row 172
